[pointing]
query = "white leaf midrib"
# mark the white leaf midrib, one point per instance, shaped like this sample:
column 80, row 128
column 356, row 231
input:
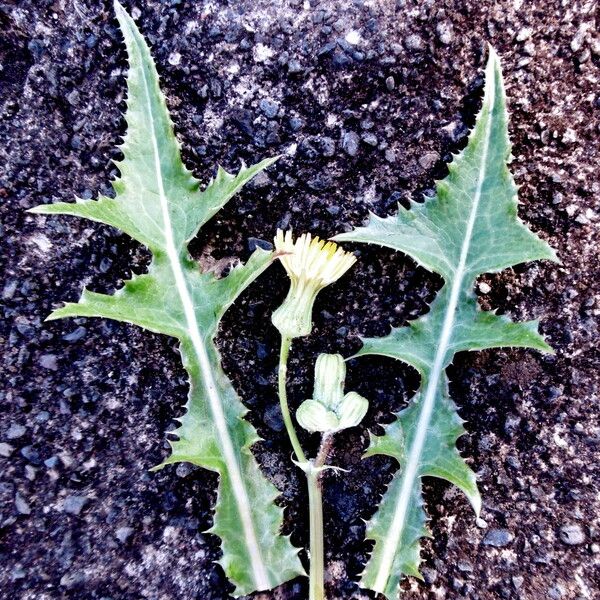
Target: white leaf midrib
column 410, row 472
column 260, row 575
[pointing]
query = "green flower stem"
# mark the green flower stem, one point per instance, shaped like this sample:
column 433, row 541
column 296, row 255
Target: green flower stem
column 317, row 561
column 315, row 503
column 286, row 343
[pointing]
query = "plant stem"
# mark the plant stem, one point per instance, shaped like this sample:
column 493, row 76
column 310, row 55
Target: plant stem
column 317, row 560
column 315, row 503
column 283, row 403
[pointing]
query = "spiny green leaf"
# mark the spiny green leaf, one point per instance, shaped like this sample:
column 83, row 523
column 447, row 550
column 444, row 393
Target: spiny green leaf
column 158, row 202
column 468, row 228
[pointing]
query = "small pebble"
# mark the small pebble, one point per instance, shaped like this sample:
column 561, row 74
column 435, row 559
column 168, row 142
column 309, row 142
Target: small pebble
column 15, row 432
column 174, row 58
column 105, row 265
column 569, row 136
column 429, row 575
column 49, row 361
column 370, row 139
column 254, row 243
column 21, row 505
column 42, row 416
column 75, row 335
column 414, row 42
column 31, row 454
column 294, row 67
column 444, row 32
column 296, row 123
column 353, row 37
column 429, row 159
column 572, row 535
column 350, row 141
column 262, row 53
column 524, row 34
column 499, row 538
column 270, row 108
column 327, row 146
column 5, row 449
column 260, row 181
column 73, row 505
column 390, row 83
column 464, row 566
column 72, row 580
column 124, row 533
column 51, row 462
column 556, row 592
column 262, row 351
column 184, row 469
column 272, row 417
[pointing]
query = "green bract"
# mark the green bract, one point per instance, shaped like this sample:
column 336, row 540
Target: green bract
column 468, row 228
column 159, row 203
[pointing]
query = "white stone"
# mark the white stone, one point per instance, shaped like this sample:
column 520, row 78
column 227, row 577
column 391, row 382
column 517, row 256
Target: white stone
column 353, row 37
column 262, row 53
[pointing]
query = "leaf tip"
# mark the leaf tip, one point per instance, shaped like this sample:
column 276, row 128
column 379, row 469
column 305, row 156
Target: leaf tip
column 492, row 54
column 54, row 315
column 118, row 8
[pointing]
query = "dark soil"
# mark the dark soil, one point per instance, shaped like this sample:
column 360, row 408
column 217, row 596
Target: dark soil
column 87, row 403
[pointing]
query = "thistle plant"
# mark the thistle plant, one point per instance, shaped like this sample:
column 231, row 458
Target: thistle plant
column 311, row 265
column 468, row 228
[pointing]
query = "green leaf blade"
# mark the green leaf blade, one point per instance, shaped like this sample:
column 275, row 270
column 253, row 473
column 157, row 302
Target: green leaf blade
column 470, row 227
column 406, row 558
column 158, row 202
column 245, row 514
column 409, row 231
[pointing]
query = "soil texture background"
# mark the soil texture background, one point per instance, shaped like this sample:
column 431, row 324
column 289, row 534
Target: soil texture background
column 366, row 100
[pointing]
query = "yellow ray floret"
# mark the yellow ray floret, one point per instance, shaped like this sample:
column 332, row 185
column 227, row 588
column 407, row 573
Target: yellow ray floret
column 311, row 258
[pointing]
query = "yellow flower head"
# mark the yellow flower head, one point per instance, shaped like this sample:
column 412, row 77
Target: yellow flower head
column 311, row 265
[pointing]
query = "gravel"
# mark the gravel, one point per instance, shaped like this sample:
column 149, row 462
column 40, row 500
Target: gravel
column 97, row 405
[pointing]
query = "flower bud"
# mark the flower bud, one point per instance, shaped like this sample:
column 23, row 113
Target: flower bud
column 329, row 410
column 352, row 410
